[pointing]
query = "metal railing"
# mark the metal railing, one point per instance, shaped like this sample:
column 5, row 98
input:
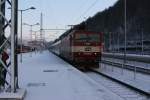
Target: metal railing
column 130, row 57
column 136, row 63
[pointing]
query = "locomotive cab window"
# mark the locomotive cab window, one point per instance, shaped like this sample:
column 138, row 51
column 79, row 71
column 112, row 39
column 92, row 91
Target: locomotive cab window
column 80, row 37
column 87, row 38
column 94, row 37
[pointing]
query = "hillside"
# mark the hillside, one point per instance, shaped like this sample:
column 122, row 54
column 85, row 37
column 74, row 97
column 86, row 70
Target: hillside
column 112, row 20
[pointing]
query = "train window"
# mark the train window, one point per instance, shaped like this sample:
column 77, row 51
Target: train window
column 81, row 37
column 94, row 37
column 87, row 38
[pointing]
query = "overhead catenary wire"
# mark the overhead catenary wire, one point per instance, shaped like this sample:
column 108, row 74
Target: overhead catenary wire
column 87, row 10
column 81, row 6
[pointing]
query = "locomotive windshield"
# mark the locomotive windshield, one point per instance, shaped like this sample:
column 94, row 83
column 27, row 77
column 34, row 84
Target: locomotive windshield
column 87, row 38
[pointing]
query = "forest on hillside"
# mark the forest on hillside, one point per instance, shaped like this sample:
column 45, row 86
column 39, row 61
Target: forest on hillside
column 111, row 22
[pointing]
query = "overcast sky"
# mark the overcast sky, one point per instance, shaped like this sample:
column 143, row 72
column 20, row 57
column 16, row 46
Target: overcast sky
column 59, row 13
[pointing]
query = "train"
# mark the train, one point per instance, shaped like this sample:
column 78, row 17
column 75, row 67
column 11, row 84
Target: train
column 25, row 49
column 80, row 47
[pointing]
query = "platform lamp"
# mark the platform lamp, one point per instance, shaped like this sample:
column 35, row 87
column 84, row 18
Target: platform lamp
column 21, row 13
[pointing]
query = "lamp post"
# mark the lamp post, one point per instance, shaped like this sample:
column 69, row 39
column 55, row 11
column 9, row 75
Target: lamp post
column 21, row 12
column 31, row 25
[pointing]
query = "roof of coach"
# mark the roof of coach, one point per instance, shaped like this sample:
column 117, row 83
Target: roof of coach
column 75, row 28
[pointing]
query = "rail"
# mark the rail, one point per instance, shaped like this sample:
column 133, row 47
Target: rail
column 120, row 88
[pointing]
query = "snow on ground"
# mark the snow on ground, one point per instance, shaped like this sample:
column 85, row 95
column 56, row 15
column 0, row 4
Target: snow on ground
column 47, row 77
column 139, row 80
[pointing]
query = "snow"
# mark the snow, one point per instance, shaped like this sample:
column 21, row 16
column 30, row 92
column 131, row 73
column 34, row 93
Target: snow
column 46, row 76
column 138, row 80
column 19, row 95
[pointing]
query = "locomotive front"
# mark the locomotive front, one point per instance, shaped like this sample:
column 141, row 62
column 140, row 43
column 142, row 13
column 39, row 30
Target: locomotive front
column 87, row 47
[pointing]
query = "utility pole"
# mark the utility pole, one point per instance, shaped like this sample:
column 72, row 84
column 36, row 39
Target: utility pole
column 31, row 25
column 142, row 42
column 14, row 28
column 2, row 21
column 12, row 23
column 3, row 40
column 41, row 30
column 11, row 89
column 125, row 34
column 110, row 40
column 118, row 42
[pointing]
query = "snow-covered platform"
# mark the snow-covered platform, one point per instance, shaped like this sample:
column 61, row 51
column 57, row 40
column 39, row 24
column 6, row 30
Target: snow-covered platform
column 18, row 95
column 136, row 80
column 47, row 77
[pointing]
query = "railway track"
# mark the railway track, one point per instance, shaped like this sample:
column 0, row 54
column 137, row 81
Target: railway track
column 121, row 90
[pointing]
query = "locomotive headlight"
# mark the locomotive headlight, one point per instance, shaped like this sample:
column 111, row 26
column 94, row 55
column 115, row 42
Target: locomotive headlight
column 79, row 53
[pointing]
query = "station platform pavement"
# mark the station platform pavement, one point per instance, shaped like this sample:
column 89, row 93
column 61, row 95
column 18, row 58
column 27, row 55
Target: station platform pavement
column 47, row 77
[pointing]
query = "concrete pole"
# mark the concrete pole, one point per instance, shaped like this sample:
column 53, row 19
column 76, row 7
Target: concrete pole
column 118, row 42
column 110, row 46
column 41, row 31
column 31, row 39
column 125, row 35
column 142, row 43
column 21, row 38
column 14, row 22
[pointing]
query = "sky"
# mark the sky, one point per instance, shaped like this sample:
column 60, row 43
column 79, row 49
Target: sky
column 58, row 14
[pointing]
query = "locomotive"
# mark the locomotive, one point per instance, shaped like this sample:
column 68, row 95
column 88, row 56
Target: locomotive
column 81, row 47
